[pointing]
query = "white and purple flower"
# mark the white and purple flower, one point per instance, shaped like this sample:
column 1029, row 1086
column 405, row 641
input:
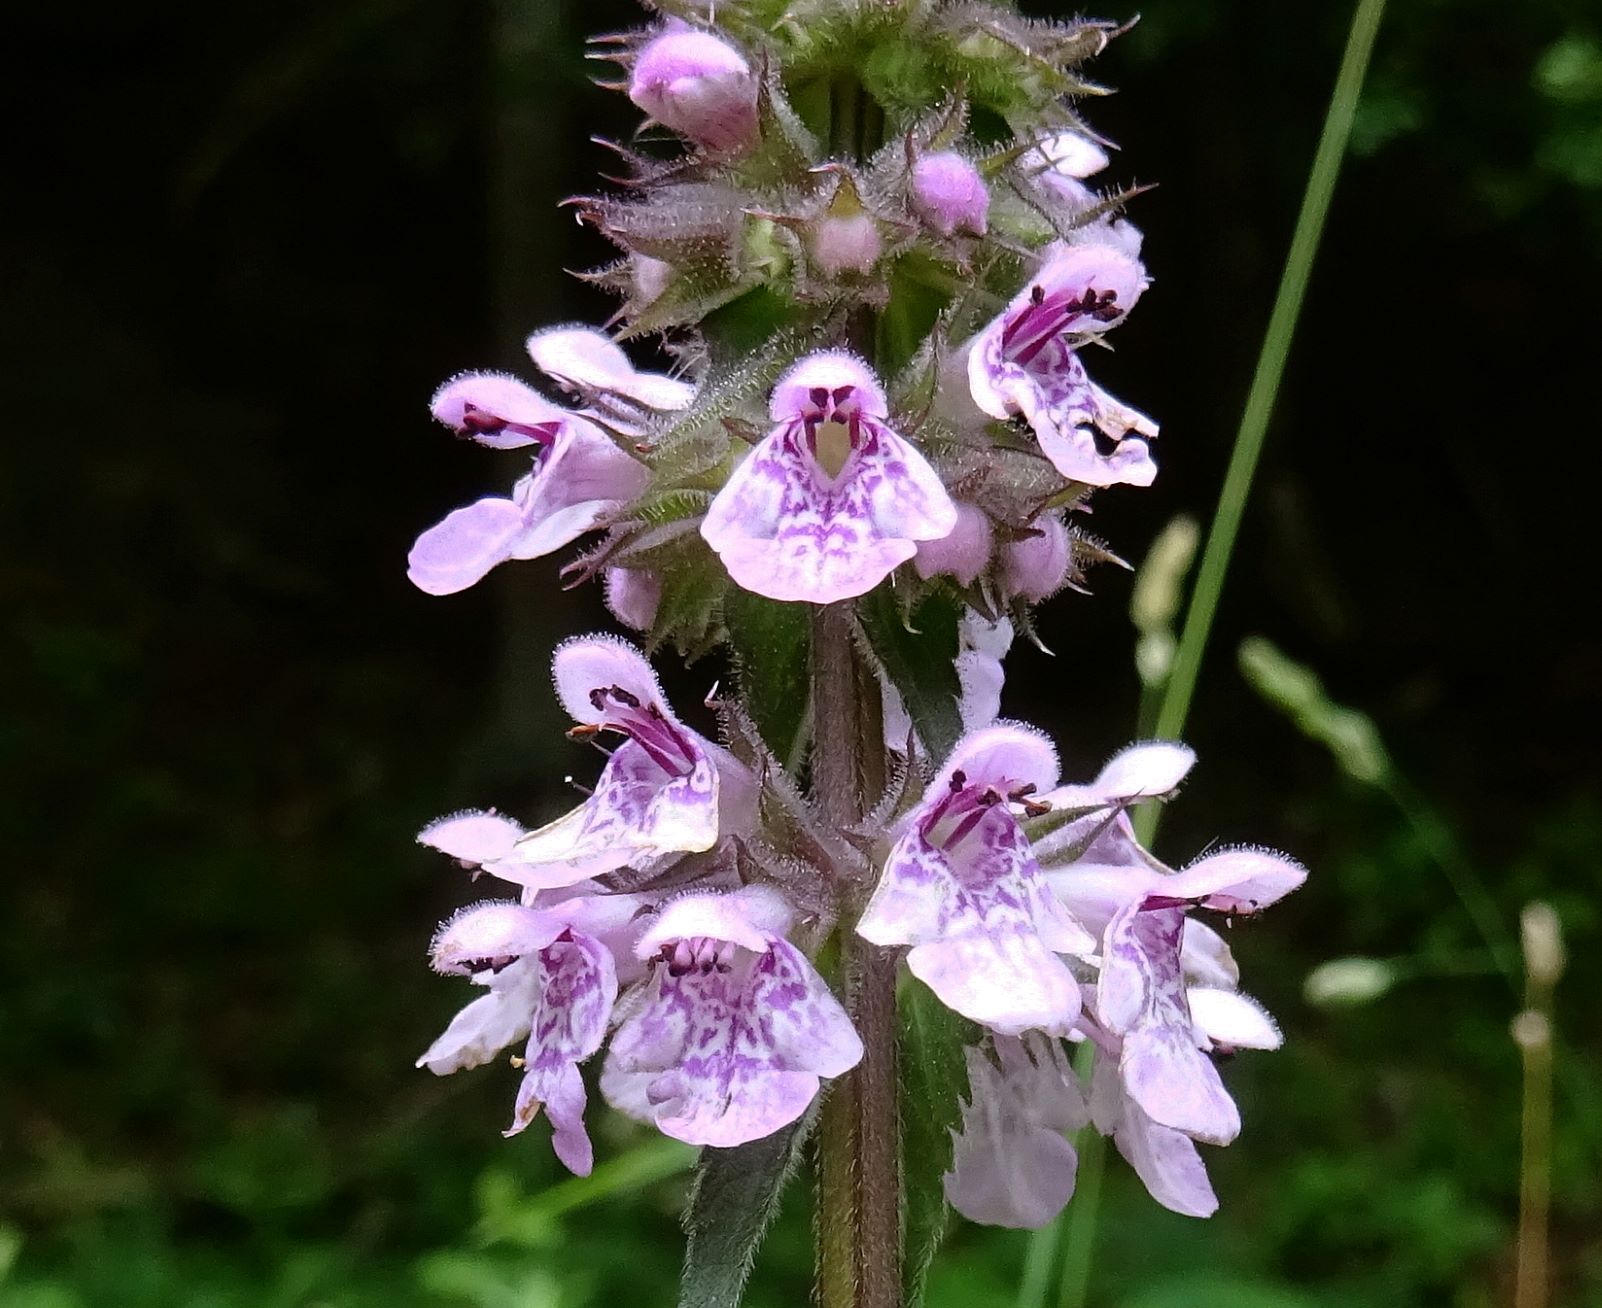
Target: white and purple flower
column 962, row 888
column 551, row 974
column 733, row 1030
column 1012, row 1163
column 829, row 504
column 1026, row 363
column 580, row 475
column 664, row 791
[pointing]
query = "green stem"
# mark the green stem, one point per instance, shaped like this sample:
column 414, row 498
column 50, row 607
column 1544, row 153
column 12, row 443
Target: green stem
column 859, row 1132
column 1269, row 372
column 1079, row 1251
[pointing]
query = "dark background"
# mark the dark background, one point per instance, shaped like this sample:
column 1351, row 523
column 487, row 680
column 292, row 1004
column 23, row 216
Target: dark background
column 241, row 246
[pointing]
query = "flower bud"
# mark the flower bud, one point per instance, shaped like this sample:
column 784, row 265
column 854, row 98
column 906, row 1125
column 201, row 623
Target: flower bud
column 963, row 554
column 949, row 194
column 1036, row 567
column 698, row 85
column 844, row 244
column 1348, row 982
column 633, row 596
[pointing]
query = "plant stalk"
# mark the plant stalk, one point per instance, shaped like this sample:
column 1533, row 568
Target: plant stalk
column 1269, row 372
column 859, row 1131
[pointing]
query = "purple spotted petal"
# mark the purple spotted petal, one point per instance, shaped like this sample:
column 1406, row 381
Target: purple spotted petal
column 1141, row 996
column 1012, row 1164
column 832, row 500
column 1166, row 1160
column 661, row 792
column 568, row 1025
column 488, row 1024
column 962, row 888
column 639, row 810
column 728, row 1044
column 1025, row 362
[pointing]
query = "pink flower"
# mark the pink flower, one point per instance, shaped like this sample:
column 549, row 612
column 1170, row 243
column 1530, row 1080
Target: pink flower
column 664, row 791
column 949, row 194
column 1036, row 567
column 1026, row 362
column 832, row 500
column 962, row 553
column 1012, row 1164
column 962, row 888
column 699, row 86
column 1069, row 158
column 580, row 476
column 551, row 976
column 733, row 1030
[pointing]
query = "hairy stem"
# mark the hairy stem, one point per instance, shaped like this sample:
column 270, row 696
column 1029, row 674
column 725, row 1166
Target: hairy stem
column 859, row 1132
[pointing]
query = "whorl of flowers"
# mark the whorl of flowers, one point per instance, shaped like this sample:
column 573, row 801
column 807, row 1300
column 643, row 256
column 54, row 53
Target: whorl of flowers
column 874, row 319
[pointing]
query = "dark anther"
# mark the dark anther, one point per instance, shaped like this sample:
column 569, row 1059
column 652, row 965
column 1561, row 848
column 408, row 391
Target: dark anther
column 623, row 697
column 991, row 796
column 1037, row 295
column 480, row 422
column 598, row 699
column 842, row 393
column 819, row 395
column 959, row 779
column 1022, row 792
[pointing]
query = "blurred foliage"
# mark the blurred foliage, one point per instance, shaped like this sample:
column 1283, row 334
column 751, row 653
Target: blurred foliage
column 245, row 244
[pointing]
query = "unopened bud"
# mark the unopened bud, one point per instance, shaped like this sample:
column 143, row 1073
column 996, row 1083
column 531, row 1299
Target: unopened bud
column 848, row 244
column 963, row 554
column 633, row 596
column 1348, row 982
column 1036, row 567
column 949, row 194
column 1541, row 932
column 698, row 85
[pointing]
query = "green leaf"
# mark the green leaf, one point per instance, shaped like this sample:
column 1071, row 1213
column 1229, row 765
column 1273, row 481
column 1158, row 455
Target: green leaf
column 736, row 1196
column 934, row 1081
column 918, row 653
column 771, row 646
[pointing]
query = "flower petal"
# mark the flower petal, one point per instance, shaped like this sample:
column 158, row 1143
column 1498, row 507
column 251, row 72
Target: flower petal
column 1153, row 767
column 460, row 549
column 1011, row 1164
column 585, row 360
column 1239, row 880
column 474, row 837
column 494, row 409
column 1232, row 1020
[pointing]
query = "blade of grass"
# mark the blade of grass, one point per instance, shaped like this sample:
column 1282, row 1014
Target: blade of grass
column 1266, row 378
